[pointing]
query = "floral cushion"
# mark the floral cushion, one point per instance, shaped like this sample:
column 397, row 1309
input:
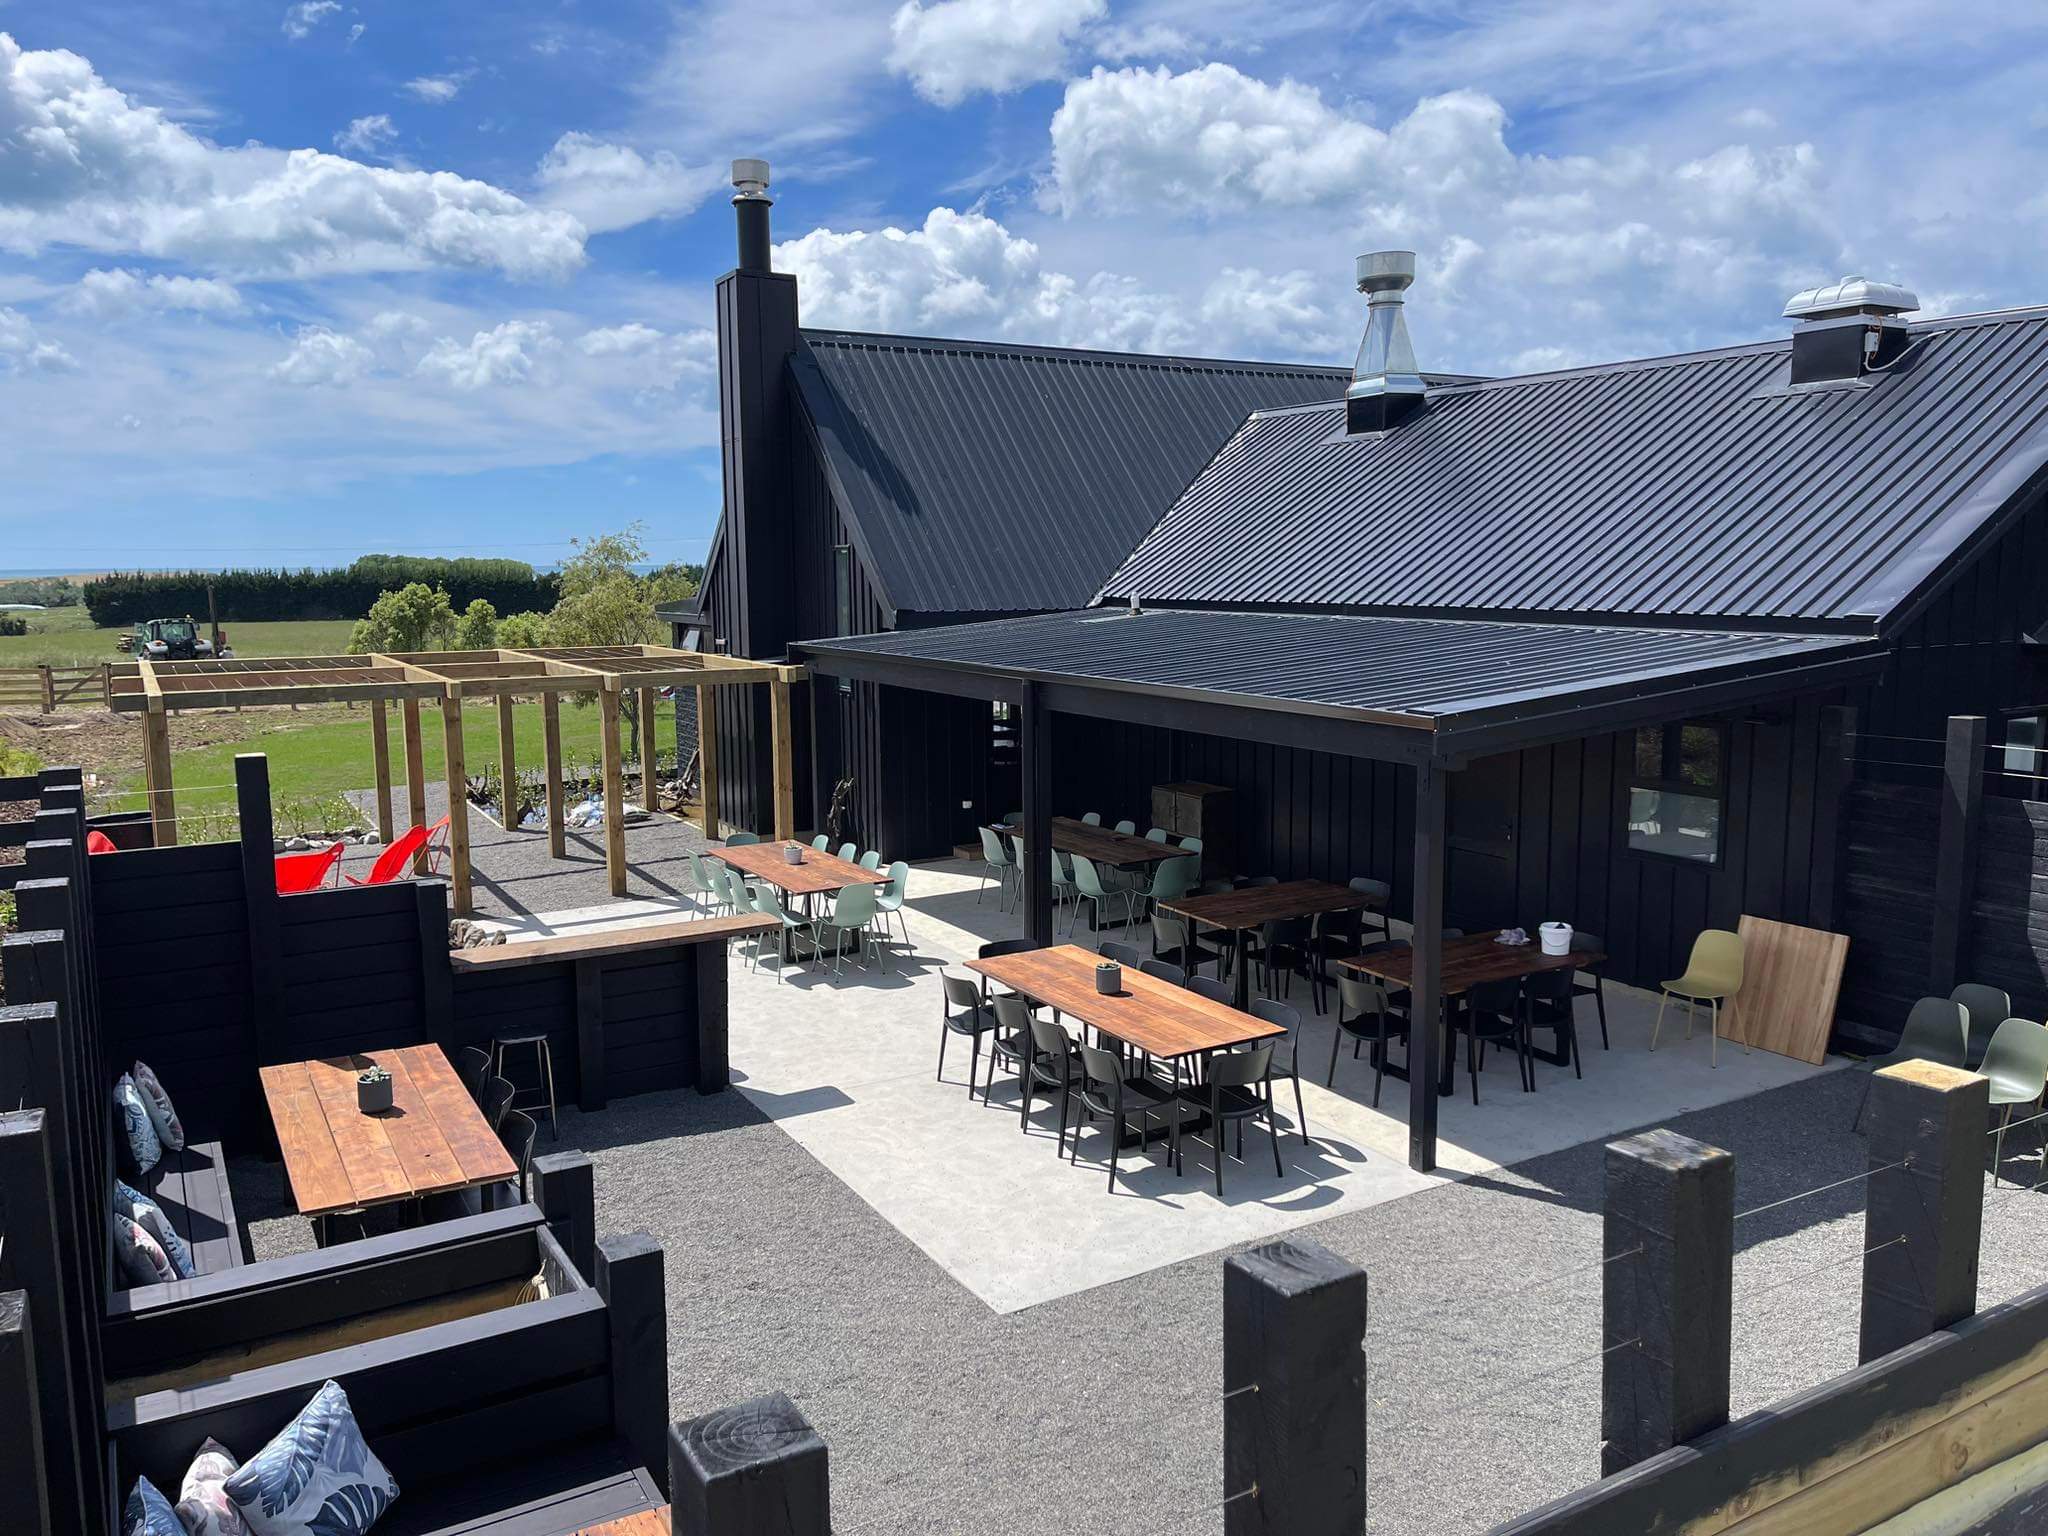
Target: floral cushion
column 203, row 1499
column 140, row 1257
column 149, row 1216
column 149, row 1513
column 169, row 1129
column 317, row 1478
column 144, row 1149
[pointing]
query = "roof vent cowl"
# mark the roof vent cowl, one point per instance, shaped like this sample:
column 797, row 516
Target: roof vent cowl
column 1847, row 329
column 1386, row 386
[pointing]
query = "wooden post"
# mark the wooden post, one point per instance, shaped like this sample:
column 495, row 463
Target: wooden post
column 1837, row 756
column 551, row 771
column 508, row 768
column 437, row 976
column 1955, row 864
column 1669, row 1305
column 1425, row 1013
column 636, row 1311
column 755, row 1469
column 1294, row 1452
column 415, row 776
column 1035, row 752
column 156, row 764
column 24, row 1481
column 380, row 747
column 714, row 1027
column 567, row 1197
column 783, row 736
column 614, row 790
column 458, row 804
column 265, row 951
column 707, row 757
column 1922, row 1223
column 49, row 688
column 649, row 800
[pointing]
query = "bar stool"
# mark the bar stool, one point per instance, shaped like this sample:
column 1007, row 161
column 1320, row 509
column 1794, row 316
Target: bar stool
column 544, row 1068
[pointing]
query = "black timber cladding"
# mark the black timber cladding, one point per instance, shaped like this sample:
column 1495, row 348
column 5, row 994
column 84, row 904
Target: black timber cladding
column 1691, row 487
column 988, row 478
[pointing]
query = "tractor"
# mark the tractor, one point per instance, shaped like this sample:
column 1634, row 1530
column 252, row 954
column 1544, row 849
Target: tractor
column 169, row 640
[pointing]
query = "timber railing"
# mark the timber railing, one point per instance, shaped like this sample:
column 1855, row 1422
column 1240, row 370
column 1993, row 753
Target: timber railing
column 50, row 688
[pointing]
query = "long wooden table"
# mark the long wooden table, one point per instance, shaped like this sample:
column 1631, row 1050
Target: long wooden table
column 1104, row 845
column 1155, row 1016
column 1253, row 906
column 819, row 872
column 432, row 1140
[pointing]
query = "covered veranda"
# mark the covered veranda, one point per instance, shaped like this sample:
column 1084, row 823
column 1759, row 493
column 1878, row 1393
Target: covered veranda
column 1429, row 695
column 157, row 690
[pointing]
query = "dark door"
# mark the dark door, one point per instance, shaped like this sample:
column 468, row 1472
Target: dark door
column 1479, row 845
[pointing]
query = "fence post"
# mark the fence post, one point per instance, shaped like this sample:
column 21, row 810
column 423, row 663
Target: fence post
column 628, row 1276
column 260, row 898
column 1955, row 864
column 49, row 689
column 24, row 1486
column 1668, row 1295
column 755, row 1469
column 1922, row 1222
column 1294, row 1452
column 568, row 1199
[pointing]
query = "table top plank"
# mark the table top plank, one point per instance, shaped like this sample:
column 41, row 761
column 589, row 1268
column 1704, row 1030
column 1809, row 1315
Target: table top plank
column 1468, row 962
column 1255, row 905
column 480, row 1156
column 311, row 1160
column 373, row 1167
column 1104, row 845
column 1155, row 1016
column 818, row 873
column 430, row 1164
column 608, row 942
column 653, row 1522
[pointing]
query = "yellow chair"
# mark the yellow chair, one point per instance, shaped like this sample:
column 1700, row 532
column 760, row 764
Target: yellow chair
column 1712, row 976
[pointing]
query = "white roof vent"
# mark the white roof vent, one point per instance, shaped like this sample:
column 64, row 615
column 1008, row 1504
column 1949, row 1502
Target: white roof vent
column 1851, row 296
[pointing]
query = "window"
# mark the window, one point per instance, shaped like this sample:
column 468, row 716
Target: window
column 1676, row 791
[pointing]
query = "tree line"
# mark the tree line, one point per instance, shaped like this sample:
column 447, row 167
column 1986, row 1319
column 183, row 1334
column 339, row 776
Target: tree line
column 250, row 596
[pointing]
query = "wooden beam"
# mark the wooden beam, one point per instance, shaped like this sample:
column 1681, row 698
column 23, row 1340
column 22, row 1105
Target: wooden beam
column 415, row 775
column 707, row 758
column 648, row 799
column 458, row 805
column 508, row 767
column 785, row 759
column 551, row 771
column 156, row 763
column 614, row 791
column 380, row 748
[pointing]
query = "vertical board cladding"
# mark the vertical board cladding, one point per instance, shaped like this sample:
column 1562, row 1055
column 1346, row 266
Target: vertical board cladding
column 531, row 997
column 1889, row 850
column 1534, row 836
column 352, row 974
column 2008, row 930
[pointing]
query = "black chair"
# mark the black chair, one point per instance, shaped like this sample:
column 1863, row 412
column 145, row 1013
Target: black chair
column 1174, row 943
column 1216, row 887
column 1384, row 894
column 1127, row 955
column 1587, row 983
column 515, row 1135
column 1282, row 950
column 473, row 1066
column 1010, row 1046
column 497, row 1101
column 1547, row 1002
column 1337, row 936
column 1369, row 1016
column 1283, row 1052
column 997, row 948
column 1165, row 972
column 1493, row 1014
column 543, row 1088
column 1052, row 1068
column 1214, row 990
column 1108, row 1089
column 962, row 1012
column 1238, row 1088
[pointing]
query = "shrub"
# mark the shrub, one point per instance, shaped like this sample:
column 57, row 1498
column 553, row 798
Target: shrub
column 477, row 629
column 121, row 599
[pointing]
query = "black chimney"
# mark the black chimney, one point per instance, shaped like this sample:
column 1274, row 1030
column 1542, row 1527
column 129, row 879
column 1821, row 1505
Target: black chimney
column 752, row 202
column 1847, row 329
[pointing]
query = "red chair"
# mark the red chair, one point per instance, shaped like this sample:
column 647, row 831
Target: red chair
column 391, row 863
column 97, row 841
column 299, row 872
column 437, row 845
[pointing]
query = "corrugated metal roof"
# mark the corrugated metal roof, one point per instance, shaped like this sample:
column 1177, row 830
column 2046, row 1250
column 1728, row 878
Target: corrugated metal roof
column 1690, row 486
column 1413, row 670
column 988, row 478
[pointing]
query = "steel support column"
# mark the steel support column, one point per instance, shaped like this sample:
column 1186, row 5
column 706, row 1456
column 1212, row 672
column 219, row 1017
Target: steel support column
column 1426, row 990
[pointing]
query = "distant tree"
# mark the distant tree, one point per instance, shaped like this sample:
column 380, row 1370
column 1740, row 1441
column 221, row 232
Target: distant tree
column 13, row 624
column 674, row 582
column 477, row 629
column 523, row 631
column 605, row 603
column 416, row 617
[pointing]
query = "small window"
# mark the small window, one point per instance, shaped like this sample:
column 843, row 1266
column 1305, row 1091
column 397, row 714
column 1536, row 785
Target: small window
column 693, row 638
column 2024, row 739
column 1677, row 791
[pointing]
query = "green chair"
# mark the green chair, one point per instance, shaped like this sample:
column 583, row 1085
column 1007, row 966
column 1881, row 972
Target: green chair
column 1127, row 828
column 2016, row 1061
column 1089, row 886
column 822, row 842
column 1712, row 976
column 794, row 929
column 1171, row 880
column 1156, row 835
column 1936, row 1030
column 741, row 839
column 849, row 851
column 1063, row 888
column 890, row 902
column 1093, row 818
column 996, row 865
column 1191, row 844
column 853, row 909
column 871, row 860
column 700, row 876
column 1987, row 1008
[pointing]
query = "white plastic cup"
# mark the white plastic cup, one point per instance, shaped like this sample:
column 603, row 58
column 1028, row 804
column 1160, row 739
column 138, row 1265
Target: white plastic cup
column 1557, row 938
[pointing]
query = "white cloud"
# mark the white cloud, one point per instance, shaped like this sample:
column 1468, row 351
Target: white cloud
column 612, row 186
column 23, row 349
column 436, row 90
column 302, row 18
column 83, row 165
column 120, row 290
column 955, row 48
column 646, row 358
column 508, row 353
column 366, row 135
column 355, row 34
column 323, row 357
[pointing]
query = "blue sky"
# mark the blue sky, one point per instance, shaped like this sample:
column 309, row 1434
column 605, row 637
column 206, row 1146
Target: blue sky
column 292, row 281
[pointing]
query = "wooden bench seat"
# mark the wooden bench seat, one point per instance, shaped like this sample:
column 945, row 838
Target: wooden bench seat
column 192, row 1187
column 554, row 1495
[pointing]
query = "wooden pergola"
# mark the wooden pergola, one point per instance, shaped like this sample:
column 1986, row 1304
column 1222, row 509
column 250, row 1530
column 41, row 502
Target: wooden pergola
column 157, row 690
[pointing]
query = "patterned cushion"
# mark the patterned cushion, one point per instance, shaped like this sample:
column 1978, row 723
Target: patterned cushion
column 149, row 1513
column 203, row 1501
column 144, row 1150
column 140, row 1257
column 169, row 1129
column 149, row 1216
column 317, row 1478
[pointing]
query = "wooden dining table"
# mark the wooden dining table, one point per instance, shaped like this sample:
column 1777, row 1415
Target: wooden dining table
column 818, row 873
column 433, row 1140
column 1251, row 907
column 1104, row 845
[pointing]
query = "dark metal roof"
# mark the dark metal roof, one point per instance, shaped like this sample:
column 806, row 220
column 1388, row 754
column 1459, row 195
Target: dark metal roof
column 1441, row 675
column 989, row 478
column 1693, row 487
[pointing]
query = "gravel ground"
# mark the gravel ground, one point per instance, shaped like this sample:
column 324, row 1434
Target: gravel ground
column 1100, row 1411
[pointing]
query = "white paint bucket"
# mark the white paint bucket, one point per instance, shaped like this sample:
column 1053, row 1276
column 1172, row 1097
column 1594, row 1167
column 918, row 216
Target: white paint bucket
column 1557, row 938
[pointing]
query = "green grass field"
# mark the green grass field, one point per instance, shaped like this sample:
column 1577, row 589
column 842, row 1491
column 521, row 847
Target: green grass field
column 65, row 637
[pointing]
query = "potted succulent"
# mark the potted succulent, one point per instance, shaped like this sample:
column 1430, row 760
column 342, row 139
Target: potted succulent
column 373, row 1091
column 1109, row 977
column 792, row 853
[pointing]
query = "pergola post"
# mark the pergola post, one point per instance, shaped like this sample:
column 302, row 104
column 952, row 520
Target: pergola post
column 551, row 747
column 380, row 748
column 458, row 803
column 156, row 760
column 785, row 758
column 508, row 767
column 415, row 776
column 1426, row 988
column 614, row 788
column 1036, row 745
column 707, row 756
column 647, row 788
